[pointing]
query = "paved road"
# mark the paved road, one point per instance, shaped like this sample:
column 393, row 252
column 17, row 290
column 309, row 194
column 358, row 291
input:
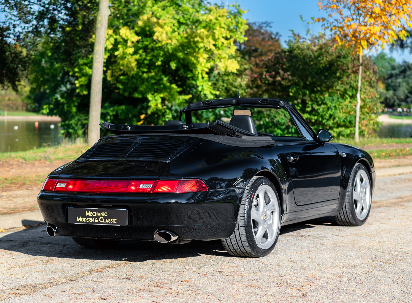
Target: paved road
column 312, row 262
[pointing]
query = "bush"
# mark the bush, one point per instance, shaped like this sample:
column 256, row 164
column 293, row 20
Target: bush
column 320, row 79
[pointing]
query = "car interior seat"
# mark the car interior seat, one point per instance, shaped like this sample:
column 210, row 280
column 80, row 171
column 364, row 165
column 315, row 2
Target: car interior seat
column 244, row 122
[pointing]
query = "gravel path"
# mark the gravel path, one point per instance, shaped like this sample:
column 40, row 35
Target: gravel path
column 385, row 118
column 312, row 262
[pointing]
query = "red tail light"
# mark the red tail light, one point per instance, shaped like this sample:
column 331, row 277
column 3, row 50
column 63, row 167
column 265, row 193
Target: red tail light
column 124, row 186
column 49, row 184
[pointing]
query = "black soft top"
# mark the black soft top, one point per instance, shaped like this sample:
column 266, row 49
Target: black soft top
column 210, row 131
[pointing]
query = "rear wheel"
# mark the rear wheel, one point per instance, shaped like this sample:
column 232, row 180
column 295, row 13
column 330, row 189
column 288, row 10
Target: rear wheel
column 355, row 211
column 96, row 243
column 258, row 224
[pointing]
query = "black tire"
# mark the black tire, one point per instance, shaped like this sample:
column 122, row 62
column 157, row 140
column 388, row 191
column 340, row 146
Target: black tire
column 96, row 243
column 356, row 208
column 244, row 241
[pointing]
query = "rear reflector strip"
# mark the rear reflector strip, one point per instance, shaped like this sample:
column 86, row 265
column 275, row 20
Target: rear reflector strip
column 124, row 186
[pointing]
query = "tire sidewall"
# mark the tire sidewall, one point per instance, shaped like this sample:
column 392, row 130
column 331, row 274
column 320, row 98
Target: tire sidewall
column 248, row 199
column 349, row 196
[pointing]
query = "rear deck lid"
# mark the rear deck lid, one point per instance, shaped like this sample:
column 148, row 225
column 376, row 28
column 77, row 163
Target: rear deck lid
column 147, row 148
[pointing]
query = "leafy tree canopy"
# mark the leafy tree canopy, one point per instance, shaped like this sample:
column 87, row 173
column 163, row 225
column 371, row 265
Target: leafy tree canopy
column 159, row 54
column 320, row 80
column 398, row 85
column 384, row 63
column 22, row 25
column 366, row 24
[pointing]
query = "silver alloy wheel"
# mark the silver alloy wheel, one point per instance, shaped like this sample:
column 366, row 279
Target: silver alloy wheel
column 265, row 216
column 362, row 197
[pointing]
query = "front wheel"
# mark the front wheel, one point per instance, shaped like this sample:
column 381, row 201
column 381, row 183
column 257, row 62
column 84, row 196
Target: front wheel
column 356, row 208
column 258, row 224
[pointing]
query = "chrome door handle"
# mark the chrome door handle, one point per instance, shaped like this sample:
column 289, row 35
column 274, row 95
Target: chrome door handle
column 292, row 158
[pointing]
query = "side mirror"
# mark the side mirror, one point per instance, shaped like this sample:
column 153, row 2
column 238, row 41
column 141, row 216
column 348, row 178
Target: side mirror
column 324, row 136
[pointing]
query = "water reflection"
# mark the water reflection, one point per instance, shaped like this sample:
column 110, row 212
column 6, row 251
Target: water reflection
column 395, row 131
column 23, row 135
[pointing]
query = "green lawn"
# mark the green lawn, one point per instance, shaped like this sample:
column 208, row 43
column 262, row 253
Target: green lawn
column 19, row 113
column 374, row 141
column 67, row 151
column 401, row 117
column 390, row 153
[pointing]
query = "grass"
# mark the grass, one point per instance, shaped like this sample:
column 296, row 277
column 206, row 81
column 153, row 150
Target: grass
column 20, row 113
column 374, row 141
column 21, row 182
column 390, row 153
column 401, row 117
column 66, row 151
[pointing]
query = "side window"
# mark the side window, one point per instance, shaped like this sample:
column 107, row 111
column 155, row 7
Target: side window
column 275, row 121
column 306, row 135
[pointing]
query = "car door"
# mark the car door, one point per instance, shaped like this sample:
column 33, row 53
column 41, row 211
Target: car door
column 314, row 167
column 315, row 172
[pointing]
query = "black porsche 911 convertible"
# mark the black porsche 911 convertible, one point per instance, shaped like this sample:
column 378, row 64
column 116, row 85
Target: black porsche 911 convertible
column 237, row 180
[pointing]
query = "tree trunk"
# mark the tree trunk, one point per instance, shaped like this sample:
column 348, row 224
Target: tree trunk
column 359, row 100
column 97, row 72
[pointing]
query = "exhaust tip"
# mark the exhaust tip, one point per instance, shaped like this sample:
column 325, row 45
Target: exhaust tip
column 165, row 236
column 51, row 230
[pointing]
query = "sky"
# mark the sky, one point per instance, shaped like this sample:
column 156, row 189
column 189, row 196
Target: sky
column 284, row 15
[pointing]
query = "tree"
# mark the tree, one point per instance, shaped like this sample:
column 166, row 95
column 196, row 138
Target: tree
column 23, row 24
column 97, row 72
column 320, row 80
column 366, row 24
column 14, row 62
column 403, row 44
column 260, row 43
column 158, row 56
column 398, row 85
column 384, row 64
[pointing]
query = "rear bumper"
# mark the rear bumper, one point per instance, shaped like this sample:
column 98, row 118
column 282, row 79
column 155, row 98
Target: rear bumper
column 195, row 216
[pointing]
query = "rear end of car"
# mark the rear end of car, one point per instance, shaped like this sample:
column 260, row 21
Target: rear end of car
column 137, row 187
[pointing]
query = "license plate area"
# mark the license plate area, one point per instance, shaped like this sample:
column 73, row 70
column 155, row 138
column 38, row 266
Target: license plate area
column 97, row 216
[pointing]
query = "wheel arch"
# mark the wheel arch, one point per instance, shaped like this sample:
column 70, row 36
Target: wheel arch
column 274, row 179
column 366, row 163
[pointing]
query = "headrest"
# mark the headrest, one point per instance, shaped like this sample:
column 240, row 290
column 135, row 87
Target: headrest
column 244, row 122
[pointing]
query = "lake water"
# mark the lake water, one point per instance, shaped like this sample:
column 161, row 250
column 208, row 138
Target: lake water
column 23, row 135
column 26, row 136
column 395, row 131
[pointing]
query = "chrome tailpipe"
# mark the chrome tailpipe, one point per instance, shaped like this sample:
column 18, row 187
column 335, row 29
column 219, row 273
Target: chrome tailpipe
column 51, row 230
column 165, row 236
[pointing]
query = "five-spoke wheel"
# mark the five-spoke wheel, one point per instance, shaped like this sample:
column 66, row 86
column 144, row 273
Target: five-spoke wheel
column 258, row 223
column 357, row 205
column 264, row 216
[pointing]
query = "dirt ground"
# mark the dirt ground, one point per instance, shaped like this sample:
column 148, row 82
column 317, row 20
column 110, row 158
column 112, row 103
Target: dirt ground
column 20, row 196
column 22, row 168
